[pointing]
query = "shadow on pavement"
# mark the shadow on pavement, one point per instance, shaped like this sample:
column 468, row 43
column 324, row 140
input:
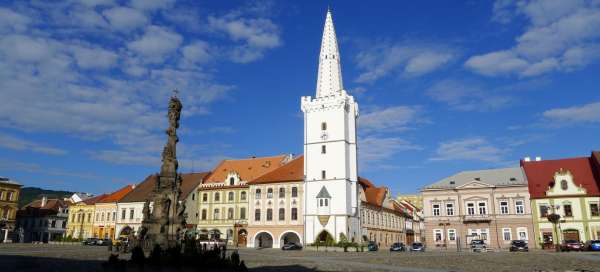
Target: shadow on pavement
column 52, row 264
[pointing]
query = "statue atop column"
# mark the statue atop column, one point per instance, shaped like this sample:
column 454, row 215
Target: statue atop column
column 162, row 223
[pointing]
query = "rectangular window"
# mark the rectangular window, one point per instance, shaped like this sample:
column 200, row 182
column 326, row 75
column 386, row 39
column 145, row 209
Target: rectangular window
column 543, row 211
column 281, row 214
column 323, row 174
column 522, row 232
column 203, row 214
column 452, row 234
column 470, row 208
column 258, row 193
column 506, row 236
column 520, row 207
column 97, row 217
column 217, row 197
column 114, row 218
column 230, row 213
column 482, row 207
column 449, row 209
column 436, row 209
column 269, row 214
column 216, row 214
column 437, row 234
column 323, row 149
column 131, row 213
column 270, row 193
column 242, row 213
column 204, row 197
column 295, row 192
column 594, row 211
column 89, row 217
column 257, row 215
column 282, row 192
column 568, row 210
column 323, row 126
column 503, row 207
column 294, row 213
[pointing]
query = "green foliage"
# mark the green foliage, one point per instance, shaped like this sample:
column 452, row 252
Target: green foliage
column 29, row 194
column 343, row 242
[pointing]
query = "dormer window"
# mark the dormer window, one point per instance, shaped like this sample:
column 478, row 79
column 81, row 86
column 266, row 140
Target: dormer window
column 564, row 185
column 231, row 181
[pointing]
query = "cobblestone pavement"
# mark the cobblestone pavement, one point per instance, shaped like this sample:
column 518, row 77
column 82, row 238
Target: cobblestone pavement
column 27, row 257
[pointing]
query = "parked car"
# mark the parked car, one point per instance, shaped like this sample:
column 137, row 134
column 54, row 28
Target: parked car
column 569, row 245
column 291, row 246
column 90, row 241
column 103, row 242
column 592, row 245
column 416, row 246
column 478, row 246
column 372, row 246
column 398, row 247
column 518, row 245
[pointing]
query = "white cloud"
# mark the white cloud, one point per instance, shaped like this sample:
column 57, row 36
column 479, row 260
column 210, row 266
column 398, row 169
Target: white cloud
column 156, row 43
column 256, row 35
column 197, row 52
column 466, row 96
column 390, row 119
column 553, row 41
column 94, row 57
column 472, row 148
column 402, row 58
column 125, row 19
column 375, row 150
column 588, row 113
column 12, row 21
column 11, row 142
column 152, row 4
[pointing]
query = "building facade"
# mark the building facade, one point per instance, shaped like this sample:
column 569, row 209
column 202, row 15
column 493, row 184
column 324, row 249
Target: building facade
column 81, row 218
column 331, row 201
column 223, row 198
column 42, row 220
column 105, row 213
column 570, row 188
column 9, row 204
column 492, row 205
column 414, row 199
column 275, row 206
column 383, row 220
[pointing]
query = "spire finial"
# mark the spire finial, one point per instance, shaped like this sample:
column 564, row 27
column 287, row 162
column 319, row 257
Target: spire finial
column 329, row 79
column 175, row 93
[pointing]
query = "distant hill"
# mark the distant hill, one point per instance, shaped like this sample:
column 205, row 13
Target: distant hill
column 29, row 194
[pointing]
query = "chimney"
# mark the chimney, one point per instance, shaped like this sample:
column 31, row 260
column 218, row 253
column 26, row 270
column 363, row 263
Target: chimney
column 538, row 158
column 44, row 201
column 527, row 159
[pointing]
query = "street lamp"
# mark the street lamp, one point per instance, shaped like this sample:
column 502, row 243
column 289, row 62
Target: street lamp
column 554, row 218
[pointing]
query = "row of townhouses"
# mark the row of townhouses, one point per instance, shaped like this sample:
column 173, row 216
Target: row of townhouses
column 501, row 205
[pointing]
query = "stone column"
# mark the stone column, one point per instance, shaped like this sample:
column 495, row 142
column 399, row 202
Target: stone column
column 5, row 236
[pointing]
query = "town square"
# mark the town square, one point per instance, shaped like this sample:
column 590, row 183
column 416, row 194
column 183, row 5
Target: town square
column 163, row 135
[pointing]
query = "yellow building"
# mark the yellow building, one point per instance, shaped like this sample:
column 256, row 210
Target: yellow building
column 81, row 218
column 105, row 214
column 223, row 197
column 416, row 200
column 9, row 204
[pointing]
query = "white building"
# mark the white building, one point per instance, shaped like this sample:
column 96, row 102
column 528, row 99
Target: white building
column 330, row 165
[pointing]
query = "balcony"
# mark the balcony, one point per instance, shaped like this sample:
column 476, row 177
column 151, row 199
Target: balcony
column 473, row 218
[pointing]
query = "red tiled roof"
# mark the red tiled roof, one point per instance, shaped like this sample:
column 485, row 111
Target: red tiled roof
column 291, row 171
column 94, row 200
column 51, row 204
column 143, row 190
column 540, row 174
column 117, row 195
column 374, row 195
column 248, row 169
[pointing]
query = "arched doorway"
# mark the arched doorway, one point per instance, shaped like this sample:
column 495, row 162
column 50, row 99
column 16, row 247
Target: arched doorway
column 242, row 237
column 325, row 238
column 289, row 237
column 571, row 234
column 263, row 240
column 214, row 234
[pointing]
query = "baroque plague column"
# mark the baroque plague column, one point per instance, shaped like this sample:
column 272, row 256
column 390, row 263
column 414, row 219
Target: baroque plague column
column 163, row 225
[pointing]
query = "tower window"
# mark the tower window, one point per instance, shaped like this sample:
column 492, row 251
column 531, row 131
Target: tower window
column 323, row 149
column 323, row 174
column 324, row 126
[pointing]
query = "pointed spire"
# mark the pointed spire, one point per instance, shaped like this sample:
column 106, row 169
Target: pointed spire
column 329, row 80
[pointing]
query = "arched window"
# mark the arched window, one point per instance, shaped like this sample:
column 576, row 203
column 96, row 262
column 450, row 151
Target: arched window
column 258, row 193
column 230, row 196
column 243, row 195
column 204, row 197
column 216, row 214
column 217, row 197
column 294, row 191
column 204, row 214
column 231, row 181
column 230, row 213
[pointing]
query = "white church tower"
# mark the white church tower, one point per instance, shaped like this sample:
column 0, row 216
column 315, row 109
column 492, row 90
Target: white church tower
column 330, row 163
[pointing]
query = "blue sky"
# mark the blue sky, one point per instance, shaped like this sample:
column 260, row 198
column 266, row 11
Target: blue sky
column 442, row 86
